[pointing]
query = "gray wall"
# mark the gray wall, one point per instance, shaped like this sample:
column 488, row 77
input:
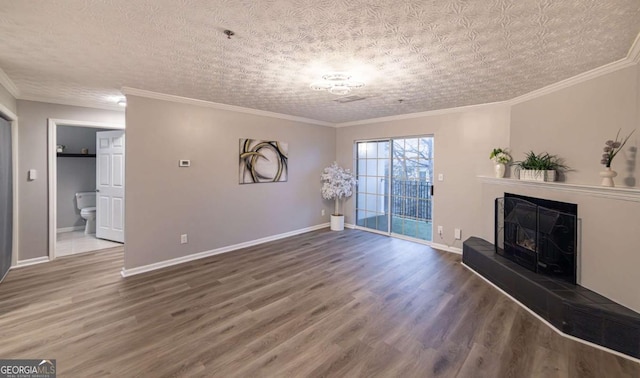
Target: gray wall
column 74, row 174
column 32, row 143
column 205, row 201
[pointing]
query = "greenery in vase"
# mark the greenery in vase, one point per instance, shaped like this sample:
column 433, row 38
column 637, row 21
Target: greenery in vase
column 541, row 162
column 500, row 156
column 612, row 147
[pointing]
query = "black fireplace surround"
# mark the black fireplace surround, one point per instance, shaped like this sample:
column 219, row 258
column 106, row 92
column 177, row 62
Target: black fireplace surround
column 539, row 234
column 534, row 261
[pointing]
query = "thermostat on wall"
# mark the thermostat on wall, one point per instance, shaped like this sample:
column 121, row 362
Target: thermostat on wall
column 184, row 163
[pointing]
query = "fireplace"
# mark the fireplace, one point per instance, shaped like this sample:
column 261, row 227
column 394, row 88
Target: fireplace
column 538, row 234
column 534, row 261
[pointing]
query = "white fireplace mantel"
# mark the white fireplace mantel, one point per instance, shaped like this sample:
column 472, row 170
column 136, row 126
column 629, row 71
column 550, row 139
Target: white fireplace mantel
column 621, row 194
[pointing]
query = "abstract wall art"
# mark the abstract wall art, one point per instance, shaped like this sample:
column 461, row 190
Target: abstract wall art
column 263, row 161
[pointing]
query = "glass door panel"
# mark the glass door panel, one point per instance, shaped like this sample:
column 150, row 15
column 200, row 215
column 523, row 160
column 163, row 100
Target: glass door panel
column 372, row 197
column 412, row 178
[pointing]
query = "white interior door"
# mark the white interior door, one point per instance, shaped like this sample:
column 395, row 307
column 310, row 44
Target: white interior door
column 110, row 185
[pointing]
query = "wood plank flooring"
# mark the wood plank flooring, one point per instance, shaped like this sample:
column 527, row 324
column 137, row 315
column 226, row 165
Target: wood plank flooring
column 344, row 304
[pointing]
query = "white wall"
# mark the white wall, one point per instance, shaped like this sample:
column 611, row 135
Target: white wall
column 32, row 137
column 462, row 142
column 205, row 201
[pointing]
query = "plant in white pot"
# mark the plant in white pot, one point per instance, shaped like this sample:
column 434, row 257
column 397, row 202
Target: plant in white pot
column 540, row 167
column 337, row 184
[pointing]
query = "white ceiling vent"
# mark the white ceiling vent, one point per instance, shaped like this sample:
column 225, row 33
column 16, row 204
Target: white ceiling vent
column 346, row 99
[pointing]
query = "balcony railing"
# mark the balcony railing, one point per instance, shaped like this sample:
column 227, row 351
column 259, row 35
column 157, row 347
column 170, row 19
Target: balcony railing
column 410, row 198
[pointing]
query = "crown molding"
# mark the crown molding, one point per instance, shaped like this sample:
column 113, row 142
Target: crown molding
column 398, row 117
column 8, row 84
column 634, row 52
column 216, row 105
column 580, row 78
column 632, row 58
column 82, row 104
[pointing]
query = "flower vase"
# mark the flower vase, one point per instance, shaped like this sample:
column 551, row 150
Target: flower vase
column 499, row 170
column 607, row 177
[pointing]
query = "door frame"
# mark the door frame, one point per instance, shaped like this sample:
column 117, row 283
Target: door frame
column 13, row 120
column 52, row 138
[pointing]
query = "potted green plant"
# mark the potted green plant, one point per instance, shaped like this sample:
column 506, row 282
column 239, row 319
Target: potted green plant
column 337, row 184
column 539, row 167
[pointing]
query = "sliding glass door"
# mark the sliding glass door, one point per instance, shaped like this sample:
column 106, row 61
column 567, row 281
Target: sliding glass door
column 394, row 190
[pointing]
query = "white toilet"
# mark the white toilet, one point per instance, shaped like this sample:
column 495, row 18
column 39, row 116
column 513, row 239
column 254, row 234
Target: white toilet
column 86, row 202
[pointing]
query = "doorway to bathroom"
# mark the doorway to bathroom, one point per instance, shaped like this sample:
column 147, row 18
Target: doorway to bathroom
column 86, row 186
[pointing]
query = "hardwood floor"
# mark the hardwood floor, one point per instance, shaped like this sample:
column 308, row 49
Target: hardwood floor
column 350, row 303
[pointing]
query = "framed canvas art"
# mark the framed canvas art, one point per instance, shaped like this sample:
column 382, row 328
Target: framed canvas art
column 263, row 161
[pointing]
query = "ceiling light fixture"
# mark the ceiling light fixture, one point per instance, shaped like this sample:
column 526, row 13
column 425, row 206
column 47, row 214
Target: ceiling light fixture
column 337, row 83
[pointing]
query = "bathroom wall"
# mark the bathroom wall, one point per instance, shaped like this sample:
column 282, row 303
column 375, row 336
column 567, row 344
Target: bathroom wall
column 74, row 174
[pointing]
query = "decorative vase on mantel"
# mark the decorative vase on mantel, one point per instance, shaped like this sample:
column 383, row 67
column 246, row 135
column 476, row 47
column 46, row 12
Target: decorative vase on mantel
column 499, row 170
column 607, row 177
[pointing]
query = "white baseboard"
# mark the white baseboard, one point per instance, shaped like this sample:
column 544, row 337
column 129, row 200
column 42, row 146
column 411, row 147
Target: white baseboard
column 69, row 229
column 217, row 251
column 543, row 320
column 446, row 248
column 34, row 261
column 349, row 225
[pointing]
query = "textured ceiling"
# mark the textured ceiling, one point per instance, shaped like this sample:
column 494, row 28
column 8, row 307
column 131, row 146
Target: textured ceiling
column 431, row 54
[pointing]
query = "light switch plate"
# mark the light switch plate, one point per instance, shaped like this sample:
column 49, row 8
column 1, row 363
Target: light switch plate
column 33, row 174
column 457, row 233
column 441, row 177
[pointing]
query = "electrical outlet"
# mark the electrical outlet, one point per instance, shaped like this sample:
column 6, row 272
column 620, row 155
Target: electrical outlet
column 440, row 230
column 322, row 212
column 184, row 239
column 457, row 234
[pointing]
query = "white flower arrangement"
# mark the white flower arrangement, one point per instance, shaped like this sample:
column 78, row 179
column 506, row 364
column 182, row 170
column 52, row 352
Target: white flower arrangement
column 337, row 184
column 500, row 156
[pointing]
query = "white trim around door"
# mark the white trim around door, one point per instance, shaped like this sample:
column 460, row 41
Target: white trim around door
column 13, row 118
column 53, row 169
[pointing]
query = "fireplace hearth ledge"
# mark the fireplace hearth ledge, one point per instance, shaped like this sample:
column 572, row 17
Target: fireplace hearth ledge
column 571, row 310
